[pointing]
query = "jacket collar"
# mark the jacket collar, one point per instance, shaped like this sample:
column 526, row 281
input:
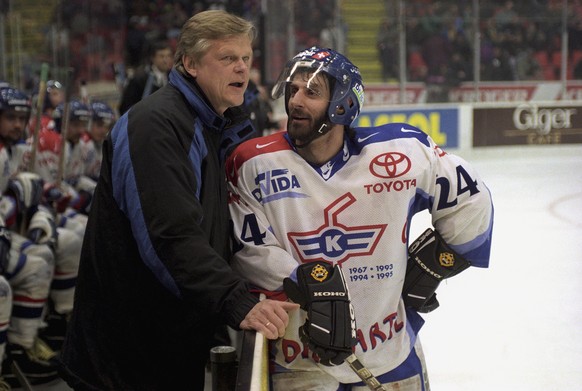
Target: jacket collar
column 196, row 99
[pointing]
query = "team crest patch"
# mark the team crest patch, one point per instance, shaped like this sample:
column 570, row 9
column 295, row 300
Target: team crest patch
column 319, row 273
column 446, row 259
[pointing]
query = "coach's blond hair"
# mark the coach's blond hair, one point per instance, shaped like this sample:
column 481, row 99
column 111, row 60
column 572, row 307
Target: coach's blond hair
column 198, row 32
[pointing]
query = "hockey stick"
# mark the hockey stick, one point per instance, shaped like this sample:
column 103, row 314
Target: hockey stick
column 39, row 106
column 35, row 134
column 364, row 373
column 64, row 129
column 20, row 376
column 254, row 354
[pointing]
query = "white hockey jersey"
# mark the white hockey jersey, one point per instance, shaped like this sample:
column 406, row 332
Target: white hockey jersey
column 13, row 159
column 354, row 211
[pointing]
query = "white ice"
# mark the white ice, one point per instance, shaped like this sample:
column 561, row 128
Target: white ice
column 518, row 324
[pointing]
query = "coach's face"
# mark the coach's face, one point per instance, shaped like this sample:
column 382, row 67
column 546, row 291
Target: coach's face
column 223, row 72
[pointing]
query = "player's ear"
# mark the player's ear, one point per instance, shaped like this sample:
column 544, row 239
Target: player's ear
column 189, row 65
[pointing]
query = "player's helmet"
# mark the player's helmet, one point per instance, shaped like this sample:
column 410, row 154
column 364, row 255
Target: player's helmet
column 50, row 86
column 101, row 111
column 347, row 88
column 53, row 84
column 4, row 84
column 14, row 99
column 78, row 111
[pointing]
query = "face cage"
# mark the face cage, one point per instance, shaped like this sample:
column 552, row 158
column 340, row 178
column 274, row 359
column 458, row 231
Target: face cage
column 345, row 101
column 341, row 79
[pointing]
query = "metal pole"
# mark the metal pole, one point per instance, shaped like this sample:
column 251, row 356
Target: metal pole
column 338, row 30
column 476, row 51
column 291, row 29
column 402, row 51
column 13, row 50
column 54, row 34
column 564, row 67
column 3, row 64
column 18, row 57
column 263, row 47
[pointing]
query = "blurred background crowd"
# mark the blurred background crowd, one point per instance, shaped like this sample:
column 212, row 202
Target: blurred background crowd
column 440, row 43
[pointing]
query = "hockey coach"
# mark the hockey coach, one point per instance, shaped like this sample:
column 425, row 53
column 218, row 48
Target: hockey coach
column 154, row 280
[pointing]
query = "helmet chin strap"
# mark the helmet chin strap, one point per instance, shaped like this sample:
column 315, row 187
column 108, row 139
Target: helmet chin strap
column 325, row 127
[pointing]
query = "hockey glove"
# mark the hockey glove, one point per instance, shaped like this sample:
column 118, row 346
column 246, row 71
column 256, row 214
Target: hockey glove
column 26, row 188
column 330, row 328
column 430, row 260
column 56, row 197
column 42, row 229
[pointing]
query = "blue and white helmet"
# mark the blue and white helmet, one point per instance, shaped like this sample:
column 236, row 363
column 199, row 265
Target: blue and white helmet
column 78, row 111
column 347, row 88
column 14, row 99
column 101, row 111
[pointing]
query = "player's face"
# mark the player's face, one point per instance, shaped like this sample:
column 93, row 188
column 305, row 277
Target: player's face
column 75, row 130
column 308, row 102
column 56, row 96
column 99, row 130
column 223, row 72
column 12, row 125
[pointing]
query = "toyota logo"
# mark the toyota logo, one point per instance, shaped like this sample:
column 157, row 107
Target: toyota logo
column 390, row 165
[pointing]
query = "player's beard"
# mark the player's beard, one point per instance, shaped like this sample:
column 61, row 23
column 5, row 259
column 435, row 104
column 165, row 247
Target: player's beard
column 304, row 131
column 12, row 136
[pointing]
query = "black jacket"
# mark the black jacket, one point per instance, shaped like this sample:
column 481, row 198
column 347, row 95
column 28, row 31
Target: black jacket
column 153, row 281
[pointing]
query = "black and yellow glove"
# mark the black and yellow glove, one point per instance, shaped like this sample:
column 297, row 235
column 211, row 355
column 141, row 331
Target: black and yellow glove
column 330, row 328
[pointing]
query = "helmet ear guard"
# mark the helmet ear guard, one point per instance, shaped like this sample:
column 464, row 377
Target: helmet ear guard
column 346, row 87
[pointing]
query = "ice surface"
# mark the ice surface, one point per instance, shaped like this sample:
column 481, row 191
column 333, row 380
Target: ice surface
column 517, row 325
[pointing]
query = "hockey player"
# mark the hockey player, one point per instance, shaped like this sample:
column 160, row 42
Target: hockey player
column 78, row 186
column 55, row 95
column 66, row 203
column 102, row 120
column 65, row 260
column 30, row 262
column 322, row 213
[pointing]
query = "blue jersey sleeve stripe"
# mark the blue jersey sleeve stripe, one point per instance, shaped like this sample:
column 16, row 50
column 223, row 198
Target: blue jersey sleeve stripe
column 478, row 250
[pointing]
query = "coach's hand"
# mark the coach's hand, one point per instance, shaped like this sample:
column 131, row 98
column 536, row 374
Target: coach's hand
column 269, row 317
